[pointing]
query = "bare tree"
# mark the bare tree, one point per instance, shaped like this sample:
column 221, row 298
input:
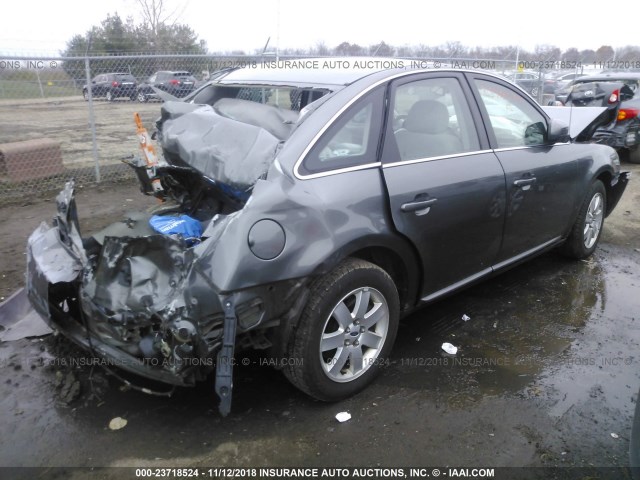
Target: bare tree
column 158, row 13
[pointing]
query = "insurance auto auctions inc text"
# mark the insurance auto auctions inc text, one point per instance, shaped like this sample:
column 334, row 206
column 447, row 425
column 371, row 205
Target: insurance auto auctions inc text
column 353, row 472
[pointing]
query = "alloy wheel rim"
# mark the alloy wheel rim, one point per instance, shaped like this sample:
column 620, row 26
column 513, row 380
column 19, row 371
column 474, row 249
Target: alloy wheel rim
column 593, row 221
column 354, row 334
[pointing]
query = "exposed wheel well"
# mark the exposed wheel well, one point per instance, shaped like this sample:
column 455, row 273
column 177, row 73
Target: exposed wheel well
column 605, row 178
column 392, row 263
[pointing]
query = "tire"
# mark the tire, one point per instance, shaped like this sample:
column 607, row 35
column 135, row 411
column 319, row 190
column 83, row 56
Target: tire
column 338, row 347
column 109, row 97
column 85, row 94
column 587, row 229
column 534, row 92
column 142, row 98
column 633, row 154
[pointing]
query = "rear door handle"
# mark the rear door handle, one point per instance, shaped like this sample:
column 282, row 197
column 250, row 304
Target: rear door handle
column 525, row 183
column 420, row 207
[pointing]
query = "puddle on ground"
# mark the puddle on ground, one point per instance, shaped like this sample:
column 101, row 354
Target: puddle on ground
column 536, row 331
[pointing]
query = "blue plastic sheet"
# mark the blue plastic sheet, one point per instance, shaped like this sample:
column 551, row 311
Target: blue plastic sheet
column 188, row 228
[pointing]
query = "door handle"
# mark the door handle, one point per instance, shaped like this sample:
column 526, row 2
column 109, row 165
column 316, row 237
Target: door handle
column 418, row 205
column 525, row 183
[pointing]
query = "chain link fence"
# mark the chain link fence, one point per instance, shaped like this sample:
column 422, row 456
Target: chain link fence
column 74, row 117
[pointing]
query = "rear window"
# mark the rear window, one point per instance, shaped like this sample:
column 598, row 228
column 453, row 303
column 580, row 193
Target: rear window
column 125, row 78
column 287, row 98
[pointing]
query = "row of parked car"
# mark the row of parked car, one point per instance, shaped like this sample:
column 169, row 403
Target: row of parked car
column 532, row 82
column 617, row 92
column 112, row 86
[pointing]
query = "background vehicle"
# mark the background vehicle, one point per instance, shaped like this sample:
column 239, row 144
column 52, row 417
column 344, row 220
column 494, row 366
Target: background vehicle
column 620, row 93
column 563, row 79
column 531, row 82
column 176, row 83
column 112, row 86
column 325, row 217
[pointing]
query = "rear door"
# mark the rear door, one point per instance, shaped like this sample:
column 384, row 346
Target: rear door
column 446, row 188
column 541, row 179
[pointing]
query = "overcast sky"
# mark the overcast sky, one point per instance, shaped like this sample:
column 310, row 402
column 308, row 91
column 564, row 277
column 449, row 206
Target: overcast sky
column 44, row 27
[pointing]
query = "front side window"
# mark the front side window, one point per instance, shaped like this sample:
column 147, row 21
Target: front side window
column 515, row 122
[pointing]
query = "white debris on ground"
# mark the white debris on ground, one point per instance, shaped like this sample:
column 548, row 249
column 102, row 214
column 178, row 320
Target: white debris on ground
column 117, row 423
column 343, row 417
column 450, row 349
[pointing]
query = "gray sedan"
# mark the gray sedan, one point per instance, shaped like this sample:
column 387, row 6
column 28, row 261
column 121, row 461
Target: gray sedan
column 306, row 210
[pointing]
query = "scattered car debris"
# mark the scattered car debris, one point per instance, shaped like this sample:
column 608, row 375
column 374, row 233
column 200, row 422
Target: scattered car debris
column 117, row 423
column 614, row 435
column 450, row 349
column 343, row 417
column 466, row 317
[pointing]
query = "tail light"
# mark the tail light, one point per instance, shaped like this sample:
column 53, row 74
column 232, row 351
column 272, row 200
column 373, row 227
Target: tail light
column 115, row 84
column 175, row 82
column 615, row 95
column 627, row 113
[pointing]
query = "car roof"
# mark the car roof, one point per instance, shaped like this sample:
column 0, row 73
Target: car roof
column 311, row 71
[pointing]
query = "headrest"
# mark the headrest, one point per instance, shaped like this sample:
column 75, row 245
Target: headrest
column 427, row 116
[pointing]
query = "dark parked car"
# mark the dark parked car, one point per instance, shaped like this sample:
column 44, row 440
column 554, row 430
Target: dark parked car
column 563, row 79
column 531, row 82
column 310, row 233
column 178, row 84
column 620, row 94
column 112, row 86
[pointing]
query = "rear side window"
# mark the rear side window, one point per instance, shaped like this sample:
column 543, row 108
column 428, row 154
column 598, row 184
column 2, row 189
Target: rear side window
column 515, row 122
column 431, row 118
column 352, row 140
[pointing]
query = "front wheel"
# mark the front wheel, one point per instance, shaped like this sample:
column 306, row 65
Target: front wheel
column 110, row 97
column 586, row 231
column 142, row 98
column 346, row 331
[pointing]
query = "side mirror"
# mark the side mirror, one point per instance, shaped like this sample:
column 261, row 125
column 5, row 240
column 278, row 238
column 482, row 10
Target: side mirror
column 558, row 132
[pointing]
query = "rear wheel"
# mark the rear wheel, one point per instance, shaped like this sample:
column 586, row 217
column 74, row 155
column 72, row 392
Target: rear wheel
column 109, row 96
column 142, row 98
column 586, row 231
column 345, row 333
column 85, row 94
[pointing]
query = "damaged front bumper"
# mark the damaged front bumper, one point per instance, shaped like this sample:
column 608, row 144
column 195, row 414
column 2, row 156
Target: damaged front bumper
column 145, row 304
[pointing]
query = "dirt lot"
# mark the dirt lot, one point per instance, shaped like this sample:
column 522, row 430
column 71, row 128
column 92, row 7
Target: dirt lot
column 66, row 120
column 547, row 376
